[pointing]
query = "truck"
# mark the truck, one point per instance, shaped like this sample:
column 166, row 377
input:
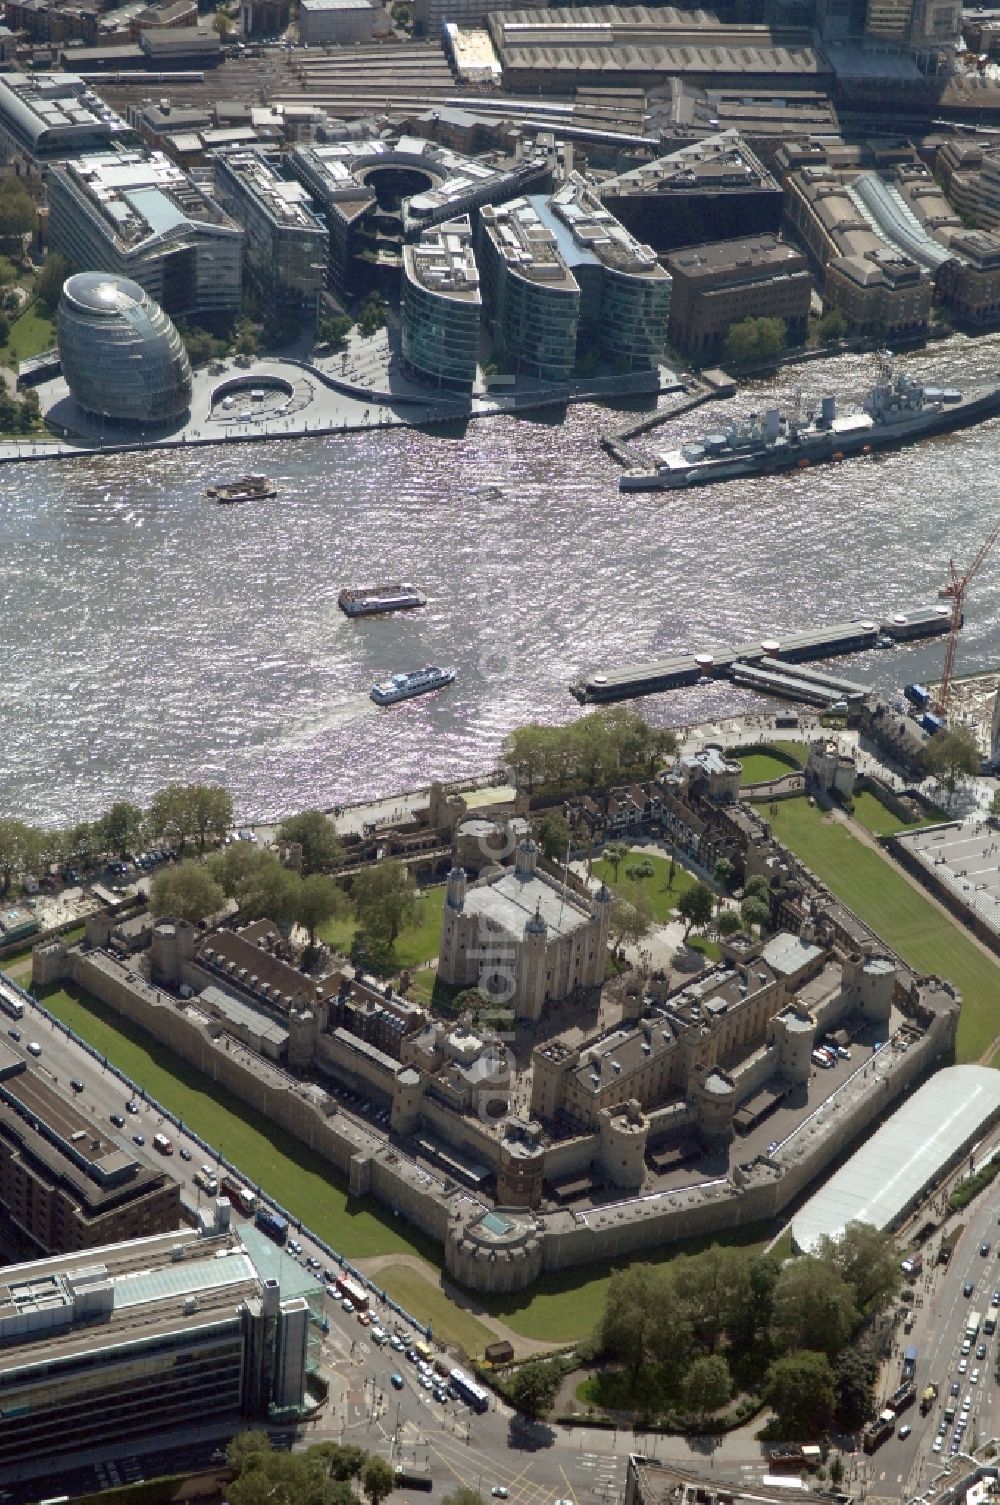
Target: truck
column 928, row 1398
column 912, row 1265
column 163, row 1144
column 877, row 1432
column 208, row 1183
column 241, row 1197
column 909, row 1362
column 972, row 1325
column 918, row 695
column 270, row 1223
column 900, row 1399
column 991, row 1320
column 931, row 723
column 413, row 1476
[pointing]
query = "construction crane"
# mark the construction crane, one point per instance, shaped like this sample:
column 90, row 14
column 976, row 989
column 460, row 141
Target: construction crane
column 957, row 588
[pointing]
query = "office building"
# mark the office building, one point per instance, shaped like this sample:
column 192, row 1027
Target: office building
column 149, row 1336
column 137, row 215
column 531, row 300
column 377, row 192
column 337, row 22
column 970, row 175
column 45, row 116
column 441, row 306
column 66, row 1181
column 624, row 292
column 121, row 356
column 286, row 241
column 717, row 285
column 713, row 189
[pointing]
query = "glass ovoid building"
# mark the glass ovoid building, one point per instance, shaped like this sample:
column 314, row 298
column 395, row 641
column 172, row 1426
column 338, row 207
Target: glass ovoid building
column 121, row 356
column 441, row 306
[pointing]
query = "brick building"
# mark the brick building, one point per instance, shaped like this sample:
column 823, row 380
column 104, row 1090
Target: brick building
column 716, row 285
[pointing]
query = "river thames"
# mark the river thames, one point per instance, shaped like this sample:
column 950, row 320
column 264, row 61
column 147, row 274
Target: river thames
column 149, row 635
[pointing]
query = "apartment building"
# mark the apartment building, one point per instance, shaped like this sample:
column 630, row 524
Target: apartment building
column 441, row 306
column 531, row 299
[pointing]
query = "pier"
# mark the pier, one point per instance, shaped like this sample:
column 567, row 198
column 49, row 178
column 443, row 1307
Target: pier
column 767, row 666
column 698, row 390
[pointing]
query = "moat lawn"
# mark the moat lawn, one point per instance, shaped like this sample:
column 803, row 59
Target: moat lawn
column 417, row 944
column 298, row 1178
column 925, row 937
column 428, row 1303
column 875, row 817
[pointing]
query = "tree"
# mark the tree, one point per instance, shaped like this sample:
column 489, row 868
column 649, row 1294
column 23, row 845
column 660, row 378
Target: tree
column 555, row 835
column 186, row 892
column 245, row 341
column 316, row 834
column 631, row 918
column 319, row 900
column 615, row 853
column 855, row 1372
column 951, row 757
column 182, row 810
column 727, row 922
column 832, row 325
column 270, row 891
column 723, row 871
column 813, row 1307
column 121, row 828
column 623, row 1333
column 800, row 1387
column 372, row 317
column 385, row 899
column 49, row 282
column 246, row 1448
column 754, row 340
column 755, row 912
column 757, row 887
column 836, row 1470
column 868, row 1261
column 640, row 871
column 333, row 331
column 995, row 804
column 532, row 1388
column 377, row 1479
column 18, row 216
column 20, row 851
column 707, row 1385
column 696, row 906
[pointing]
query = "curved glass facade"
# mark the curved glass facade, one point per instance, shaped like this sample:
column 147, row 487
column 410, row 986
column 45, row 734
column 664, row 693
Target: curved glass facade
column 121, row 355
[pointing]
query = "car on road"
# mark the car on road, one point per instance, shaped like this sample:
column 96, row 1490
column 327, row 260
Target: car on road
column 996, row 1298
column 76, row 1084
column 967, row 1404
column 981, row 1351
column 34, row 1049
column 499, row 1491
column 313, row 1262
column 396, row 1380
column 184, row 1152
column 138, row 1139
column 329, row 1275
column 365, row 1319
column 293, row 1244
column 937, row 1445
column 411, row 1354
column 963, row 1365
column 905, row 1431
column 955, row 1387
column 397, row 1343
column 770, row 1150
column 347, row 1306
column 968, row 1288
column 942, row 1429
column 118, row 1121
column 131, row 1106
column 15, row 1034
column 984, row 1250
column 974, row 1377
column 426, row 1381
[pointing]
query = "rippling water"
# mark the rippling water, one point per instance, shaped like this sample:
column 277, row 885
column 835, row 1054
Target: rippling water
column 149, row 635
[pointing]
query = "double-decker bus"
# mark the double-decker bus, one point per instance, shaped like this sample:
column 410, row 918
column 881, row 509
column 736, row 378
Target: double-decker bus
column 270, row 1223
column 474, row 1395
column 241, row 1197
column 352, row 1292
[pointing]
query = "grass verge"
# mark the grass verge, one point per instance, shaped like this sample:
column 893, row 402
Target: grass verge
column 662, row 898
column 30, row 334
column 928, row 939
column 879, row 819
column 758, row 767
column 418, row 944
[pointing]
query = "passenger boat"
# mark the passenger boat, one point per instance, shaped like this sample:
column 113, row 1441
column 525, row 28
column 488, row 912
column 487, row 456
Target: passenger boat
column 246, row 489
column 417, row 682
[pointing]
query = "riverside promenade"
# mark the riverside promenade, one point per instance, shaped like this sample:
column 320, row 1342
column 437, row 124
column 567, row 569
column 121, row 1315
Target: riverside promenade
column 362, row 389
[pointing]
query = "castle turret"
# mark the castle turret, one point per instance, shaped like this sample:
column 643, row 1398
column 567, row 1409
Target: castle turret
column 456, row 888
column 525, row 858
column 623, row 1133
column 531, row 991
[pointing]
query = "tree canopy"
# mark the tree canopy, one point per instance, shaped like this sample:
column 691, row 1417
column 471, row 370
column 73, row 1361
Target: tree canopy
column 813, row 1307
column 316, row 834
column 186, row 892
column 631, row 917
column 696, row 906
column 751, row 340
column 591, row 752
column 800, row 1386
column 180, row 811
column 952, row 756
column 385, row 900
column 554, row 834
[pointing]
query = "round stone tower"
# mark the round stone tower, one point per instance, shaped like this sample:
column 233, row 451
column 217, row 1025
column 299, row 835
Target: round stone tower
column 870, row 980
column 794, row 1031
column 623, row 1134
column 713, row 1097
column 525, row 858
column 456, row 888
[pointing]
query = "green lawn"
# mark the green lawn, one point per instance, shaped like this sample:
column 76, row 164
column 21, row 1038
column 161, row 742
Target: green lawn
column 418, row 944
column 763, row 765
column 428, row 1303
column 923, row 936
column 797, row 751
column 30, row 334
column 662, row 898
column 875, row 817
column 301, row 1180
